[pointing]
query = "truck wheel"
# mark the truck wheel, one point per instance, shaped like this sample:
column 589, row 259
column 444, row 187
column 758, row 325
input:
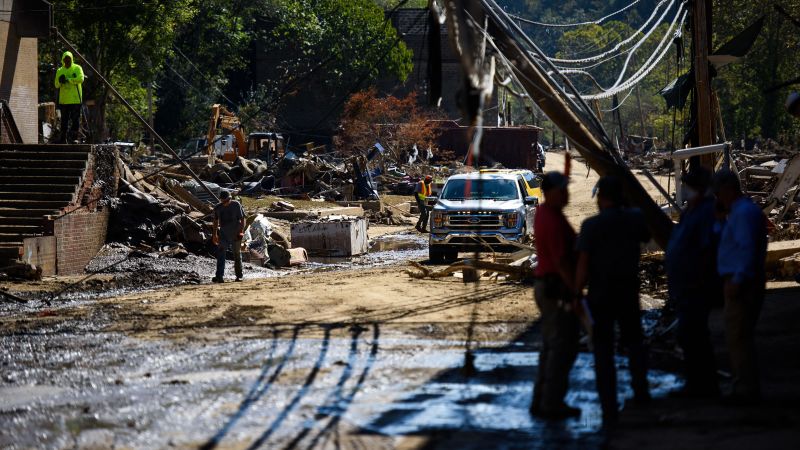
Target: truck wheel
column 451, row 254
column 435, row 254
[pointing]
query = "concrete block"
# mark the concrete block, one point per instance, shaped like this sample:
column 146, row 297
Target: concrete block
column 303, row 214
column 346, row 237
column 367, row 205
column 40, row 252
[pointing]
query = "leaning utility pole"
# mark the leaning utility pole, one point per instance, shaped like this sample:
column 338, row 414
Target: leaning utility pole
column 701, row 11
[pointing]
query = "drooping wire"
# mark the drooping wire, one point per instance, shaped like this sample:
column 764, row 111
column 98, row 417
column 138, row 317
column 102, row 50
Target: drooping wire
column 578, row 24
column 644, row 71
column 626, row 41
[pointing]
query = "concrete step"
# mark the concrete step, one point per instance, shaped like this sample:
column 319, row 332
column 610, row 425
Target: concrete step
column 6, row 180
column 14, row 238
column 51, row 188
column 32, row 221
column 62, row 156
column 61, row 148
column 36, row 196
column 13, row 212
column 33, row 204
column 43, row 164
column 8, row 253
column 40, row 172
column 21, row 229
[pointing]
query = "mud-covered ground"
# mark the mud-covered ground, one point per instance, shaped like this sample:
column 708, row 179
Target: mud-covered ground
column 339, row 353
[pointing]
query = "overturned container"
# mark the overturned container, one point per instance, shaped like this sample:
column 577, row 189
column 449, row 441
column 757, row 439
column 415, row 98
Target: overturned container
column 335, row 236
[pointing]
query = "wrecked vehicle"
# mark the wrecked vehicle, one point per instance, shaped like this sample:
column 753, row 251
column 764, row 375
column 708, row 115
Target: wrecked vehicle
column 489, row 211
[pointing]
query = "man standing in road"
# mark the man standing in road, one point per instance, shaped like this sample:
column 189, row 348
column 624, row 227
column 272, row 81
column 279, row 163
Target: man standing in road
column 609, row 246
column 423, row 190
column 69, row 81
column 229, row 222
column 740, row 261
column 694, row 285
column 554, row 272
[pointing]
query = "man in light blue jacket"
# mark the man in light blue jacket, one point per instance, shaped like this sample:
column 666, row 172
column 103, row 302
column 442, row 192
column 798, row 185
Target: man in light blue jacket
column 740, row 262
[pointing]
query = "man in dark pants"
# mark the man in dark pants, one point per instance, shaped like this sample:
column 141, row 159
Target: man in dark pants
column 740, row 261
column 609, row 246
column 229, row 222
column 694, row 286
column 69, row 81
column 555, row 243
column 423, row 190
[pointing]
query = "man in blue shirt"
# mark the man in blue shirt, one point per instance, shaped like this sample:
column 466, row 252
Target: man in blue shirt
column 740, row 261
column 694, row 285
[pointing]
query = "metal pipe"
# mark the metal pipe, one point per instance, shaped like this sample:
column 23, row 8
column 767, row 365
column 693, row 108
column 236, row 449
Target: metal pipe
column 135, row 114
column 686, row 153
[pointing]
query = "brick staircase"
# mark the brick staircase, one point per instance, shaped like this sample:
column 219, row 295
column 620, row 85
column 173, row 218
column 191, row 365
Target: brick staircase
column 36, row 181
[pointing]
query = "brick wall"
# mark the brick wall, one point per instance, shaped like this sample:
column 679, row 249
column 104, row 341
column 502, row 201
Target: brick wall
column 19, row 81
column 79, row 236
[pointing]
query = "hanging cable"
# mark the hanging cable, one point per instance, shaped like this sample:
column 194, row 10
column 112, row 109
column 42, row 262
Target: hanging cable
column 627, row 40
column 578, row 24
column 620, row 103
column 644, row 71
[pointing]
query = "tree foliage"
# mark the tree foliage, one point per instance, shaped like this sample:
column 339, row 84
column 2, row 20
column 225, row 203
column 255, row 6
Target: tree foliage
column 199, row 52
column 126, row 42
column 398, row 124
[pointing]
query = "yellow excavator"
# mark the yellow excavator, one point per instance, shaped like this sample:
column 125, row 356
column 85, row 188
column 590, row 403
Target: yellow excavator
column 232, row 142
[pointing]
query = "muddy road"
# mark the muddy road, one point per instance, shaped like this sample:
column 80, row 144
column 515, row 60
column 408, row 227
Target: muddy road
column 338, row 353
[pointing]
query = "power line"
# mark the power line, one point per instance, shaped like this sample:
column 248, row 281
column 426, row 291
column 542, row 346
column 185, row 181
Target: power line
column 578, row 24
column 627, row 40
column 211, row 82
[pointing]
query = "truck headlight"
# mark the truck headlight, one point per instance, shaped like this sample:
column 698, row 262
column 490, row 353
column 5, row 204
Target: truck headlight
column 511, row 219
column 437, row 219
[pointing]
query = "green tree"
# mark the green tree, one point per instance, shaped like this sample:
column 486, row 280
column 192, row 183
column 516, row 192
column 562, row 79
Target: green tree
column 320, row 50
column 126, row 42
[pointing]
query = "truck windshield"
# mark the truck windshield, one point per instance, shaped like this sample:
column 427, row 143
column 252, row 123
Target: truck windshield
column 480, row 189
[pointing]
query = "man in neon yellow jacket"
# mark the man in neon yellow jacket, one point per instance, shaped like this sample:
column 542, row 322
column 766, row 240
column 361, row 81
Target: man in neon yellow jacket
column 69, row 78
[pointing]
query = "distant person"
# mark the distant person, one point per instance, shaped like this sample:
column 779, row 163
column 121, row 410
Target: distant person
column 229, row 220
column 793, row 104
column 740, row 261
column 423, row 190
column 555, row 271
column 609, row 245
column 540, row 156
column 694, row 285
column 69, row 82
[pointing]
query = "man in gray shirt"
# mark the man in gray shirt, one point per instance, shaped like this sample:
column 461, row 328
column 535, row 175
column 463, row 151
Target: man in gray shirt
column 228, row 232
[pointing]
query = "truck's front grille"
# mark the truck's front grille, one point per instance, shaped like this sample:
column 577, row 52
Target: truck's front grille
column 481, row 221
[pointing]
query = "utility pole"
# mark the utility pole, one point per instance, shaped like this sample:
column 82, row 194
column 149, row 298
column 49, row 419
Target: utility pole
column 701, row 11
column 150, row 113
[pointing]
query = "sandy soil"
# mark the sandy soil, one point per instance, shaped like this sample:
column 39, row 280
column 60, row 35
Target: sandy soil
column 385, row 295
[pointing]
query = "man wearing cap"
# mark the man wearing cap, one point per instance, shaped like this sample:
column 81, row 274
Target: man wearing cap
column 229, row 222
column 609, row 246
column 694, row 285
column 740, row 261
column 555, row 243
column 421, row 193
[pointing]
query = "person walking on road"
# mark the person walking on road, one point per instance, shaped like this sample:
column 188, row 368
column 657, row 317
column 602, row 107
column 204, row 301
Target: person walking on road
column 423, row 190
column 740, row 261
column 69, row 82
column 694, row 285
column 554, row 272
column 229, row 220
column 609, row 245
